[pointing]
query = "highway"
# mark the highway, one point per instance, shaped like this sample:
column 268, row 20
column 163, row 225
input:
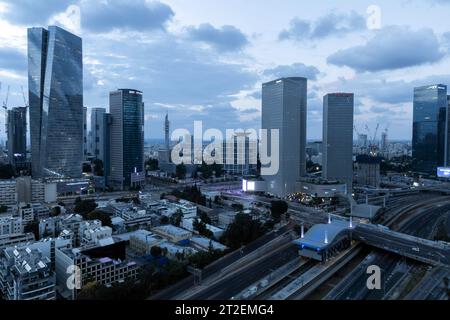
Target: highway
column 214, row 270
column 421, row 224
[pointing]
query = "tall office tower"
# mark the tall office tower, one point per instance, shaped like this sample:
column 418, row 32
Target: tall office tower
column 240, row 155
column 384, row 143
column 55, row 83
column 126, row 139
column 85, row 136
column 338, row 111
column 284, row 108
column 430, row 136
column 107, row 121
column 16, row 126
column 97, row 124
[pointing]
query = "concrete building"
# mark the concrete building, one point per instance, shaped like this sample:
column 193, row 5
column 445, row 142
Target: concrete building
column 126, row 139
column 173, row 234
column 284, row 107
column 240, row 155
column 55, row 83
column 319, row 188
column 368, row 171
column 338, row 109
column 97, row 129
column 35, row 191
column 8, row 195
column 188, row 224
column 105, row 271
column 25, row 274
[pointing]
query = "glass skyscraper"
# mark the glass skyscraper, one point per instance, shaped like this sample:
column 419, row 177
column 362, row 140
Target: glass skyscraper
column 55, row 82
column 126, row 139
column 284, row 108
column 16, row 126
column 430, row 129
column 338, row 109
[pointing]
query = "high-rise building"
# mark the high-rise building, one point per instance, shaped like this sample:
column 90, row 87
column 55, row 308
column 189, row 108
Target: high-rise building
column 338, row 111
column 97, row 129
column 107, row 121
column 85, row 134
column 16, row 126
column 284, row 108
column 240, row 155
column 362, row 140
column 126, row 139
column 430, row 123
column 55, row 82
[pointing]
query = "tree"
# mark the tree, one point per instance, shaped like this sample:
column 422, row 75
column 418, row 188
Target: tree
column 201, row 228
column 103, row 216
column 204, row 217
column 87, row 168
column 181, row 171
column 176, row 218
column 32, row 227
column 164, row 220
column 84, row 207
column 56, row 211
column 278, row 208
column 6, row 171
column 156, row 252
column 98, row 168
column 152, row 164
column 3, row 209
column 242, row 231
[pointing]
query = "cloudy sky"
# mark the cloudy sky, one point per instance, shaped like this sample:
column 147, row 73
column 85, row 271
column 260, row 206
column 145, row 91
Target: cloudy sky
column 206, row 60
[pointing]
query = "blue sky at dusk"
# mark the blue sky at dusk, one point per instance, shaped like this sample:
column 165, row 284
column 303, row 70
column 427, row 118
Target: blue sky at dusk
column 206, row 60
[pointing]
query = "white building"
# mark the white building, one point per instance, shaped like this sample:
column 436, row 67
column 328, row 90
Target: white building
column 188, row 224
column 173, row 234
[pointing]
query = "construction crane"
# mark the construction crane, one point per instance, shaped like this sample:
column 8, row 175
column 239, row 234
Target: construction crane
column 24, row 98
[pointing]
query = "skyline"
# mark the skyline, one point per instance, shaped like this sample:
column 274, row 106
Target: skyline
column 210, row 63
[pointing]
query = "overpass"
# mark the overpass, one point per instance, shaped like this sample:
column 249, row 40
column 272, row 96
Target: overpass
column 323, row 241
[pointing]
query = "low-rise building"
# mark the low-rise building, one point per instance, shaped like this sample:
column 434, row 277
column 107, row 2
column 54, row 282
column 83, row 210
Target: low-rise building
column 188, row 224
column 105, row 271
column 25, row 274
column 173, row 234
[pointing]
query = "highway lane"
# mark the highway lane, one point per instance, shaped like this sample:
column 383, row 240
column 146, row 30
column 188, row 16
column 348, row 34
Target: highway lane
column 354, row 286
column 229, row 286
column 216, row 267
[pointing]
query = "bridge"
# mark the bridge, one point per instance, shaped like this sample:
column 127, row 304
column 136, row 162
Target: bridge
column 323, row 241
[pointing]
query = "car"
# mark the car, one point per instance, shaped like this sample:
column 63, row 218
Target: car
column 416, row 249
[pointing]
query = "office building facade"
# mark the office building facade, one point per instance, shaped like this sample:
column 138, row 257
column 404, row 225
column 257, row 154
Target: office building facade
column 338, row 109
column 430, row 129
column 284, row 107
column 126, row 139
column 55, row 81
column 97, row 129
column 16, row 127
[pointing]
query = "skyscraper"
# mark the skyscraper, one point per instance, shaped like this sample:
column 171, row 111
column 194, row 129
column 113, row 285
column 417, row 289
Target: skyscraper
column 243, row 151
column 167, row 132
column 55, row 83
column 284, row 108
column 97, row 135
column 430, row 122
column 16, row 127
column 126, row 139
column 338, row 111
column 85, row 134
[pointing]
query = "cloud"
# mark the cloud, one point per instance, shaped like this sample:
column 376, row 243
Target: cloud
column 226, row 38
column 12, row 59
column 331, row 24
column 391, row 48
column 293, row 70
column 138, row 15
column 33, row 12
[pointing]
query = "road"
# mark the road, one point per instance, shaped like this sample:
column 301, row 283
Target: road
column 354, row 286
